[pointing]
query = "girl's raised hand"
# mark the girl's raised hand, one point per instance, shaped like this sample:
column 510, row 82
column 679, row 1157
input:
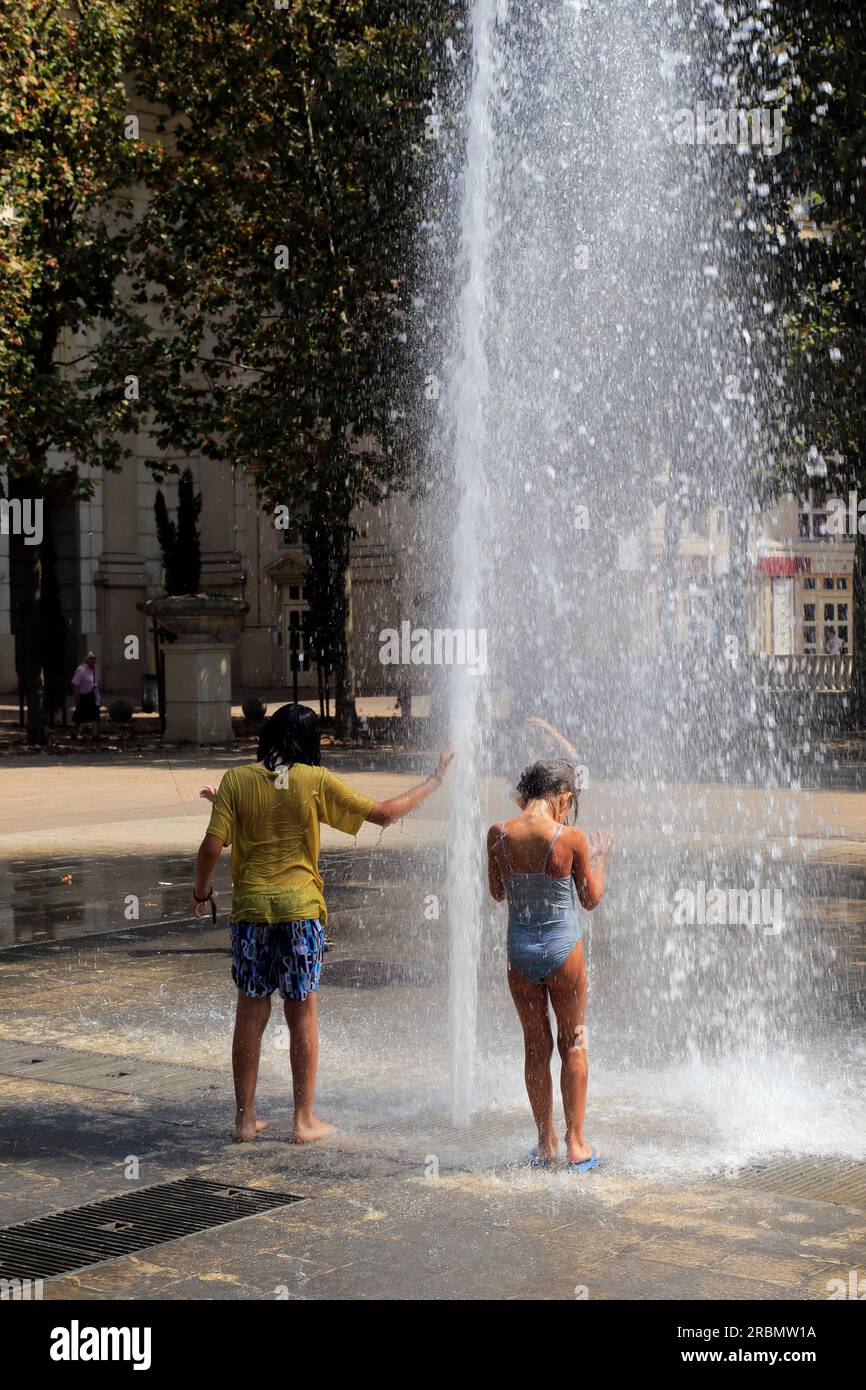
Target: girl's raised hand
column 209, row 793
column 600, row 844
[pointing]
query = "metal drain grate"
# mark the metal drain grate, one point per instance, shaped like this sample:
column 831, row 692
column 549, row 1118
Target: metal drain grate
column 813, row 1179
column 70, row 1240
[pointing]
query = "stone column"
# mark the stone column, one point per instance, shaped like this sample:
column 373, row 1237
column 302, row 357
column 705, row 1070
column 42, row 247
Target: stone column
column 222, row 566
column 121, row 584
column 222, row 570
column 198, row 687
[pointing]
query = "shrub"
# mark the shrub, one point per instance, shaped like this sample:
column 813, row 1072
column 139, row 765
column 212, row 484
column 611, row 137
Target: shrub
column 120, row 711
column 254, row 709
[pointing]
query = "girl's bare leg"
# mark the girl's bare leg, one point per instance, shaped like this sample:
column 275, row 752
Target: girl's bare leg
column 568, row 993
column 251, row 1020
column 303, row 1021
column 531, row 1003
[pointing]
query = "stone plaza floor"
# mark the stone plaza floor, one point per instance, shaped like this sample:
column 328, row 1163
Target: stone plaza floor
column 115, row 1044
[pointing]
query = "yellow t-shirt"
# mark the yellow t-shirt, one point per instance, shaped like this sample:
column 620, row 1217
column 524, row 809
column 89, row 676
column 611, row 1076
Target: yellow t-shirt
column 271, row 820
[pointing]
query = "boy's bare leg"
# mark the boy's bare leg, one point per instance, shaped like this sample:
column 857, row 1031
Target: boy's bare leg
column 303, row 1021
column 251, row 1020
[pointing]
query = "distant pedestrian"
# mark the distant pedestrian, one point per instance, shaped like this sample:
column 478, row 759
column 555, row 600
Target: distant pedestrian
column 404, row 700
column 85, row 683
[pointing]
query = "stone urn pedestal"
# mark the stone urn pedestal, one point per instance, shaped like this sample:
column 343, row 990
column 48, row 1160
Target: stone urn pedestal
column 198, row 664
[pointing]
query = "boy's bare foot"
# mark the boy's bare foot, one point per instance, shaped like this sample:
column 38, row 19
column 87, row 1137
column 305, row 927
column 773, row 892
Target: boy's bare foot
column 247, row 1128
column 577, row 1151
column 307, row 1131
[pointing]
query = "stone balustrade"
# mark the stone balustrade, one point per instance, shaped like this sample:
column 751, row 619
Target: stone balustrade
column 819, row 673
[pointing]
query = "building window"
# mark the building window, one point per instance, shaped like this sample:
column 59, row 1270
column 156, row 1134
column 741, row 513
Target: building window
column 812, row 517
column 696, row 524
column 829, row 635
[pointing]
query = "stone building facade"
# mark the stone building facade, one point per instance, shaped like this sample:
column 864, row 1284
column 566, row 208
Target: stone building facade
column 109, row 563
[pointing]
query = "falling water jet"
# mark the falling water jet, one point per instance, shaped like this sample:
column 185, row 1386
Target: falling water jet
column 467, row 402
column 600, row 297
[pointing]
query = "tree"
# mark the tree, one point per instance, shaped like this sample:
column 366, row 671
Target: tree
column 66, row 156
column 812, row 55
column 179, row 540
column 277, row 250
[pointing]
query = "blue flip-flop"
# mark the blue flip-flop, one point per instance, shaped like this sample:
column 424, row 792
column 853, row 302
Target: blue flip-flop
column 587, row 1164
column 536, row 1161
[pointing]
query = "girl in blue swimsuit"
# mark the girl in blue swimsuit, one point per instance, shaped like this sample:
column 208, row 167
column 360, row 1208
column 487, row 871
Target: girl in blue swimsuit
column 542, row 867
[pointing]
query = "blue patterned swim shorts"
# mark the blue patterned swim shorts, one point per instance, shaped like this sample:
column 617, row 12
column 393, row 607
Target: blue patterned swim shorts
column 282, row 955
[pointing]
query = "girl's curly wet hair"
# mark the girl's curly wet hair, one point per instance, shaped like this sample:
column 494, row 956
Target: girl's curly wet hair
column 547, row 779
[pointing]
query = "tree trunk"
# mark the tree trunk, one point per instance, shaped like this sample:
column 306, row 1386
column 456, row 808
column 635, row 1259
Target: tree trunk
column 28, row 561
column 857, row 708
column 344, row 665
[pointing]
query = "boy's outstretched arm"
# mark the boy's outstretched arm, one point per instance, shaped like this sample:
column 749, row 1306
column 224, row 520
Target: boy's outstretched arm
column 385, row 813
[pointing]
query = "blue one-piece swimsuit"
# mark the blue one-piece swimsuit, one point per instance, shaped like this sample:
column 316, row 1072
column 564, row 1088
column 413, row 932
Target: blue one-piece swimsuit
column 543, row 925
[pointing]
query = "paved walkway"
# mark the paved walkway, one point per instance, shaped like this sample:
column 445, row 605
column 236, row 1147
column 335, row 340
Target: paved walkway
column 118, row 804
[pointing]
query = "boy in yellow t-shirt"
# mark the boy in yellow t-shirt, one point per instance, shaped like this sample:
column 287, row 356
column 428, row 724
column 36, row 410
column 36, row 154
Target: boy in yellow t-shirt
column 269, row 813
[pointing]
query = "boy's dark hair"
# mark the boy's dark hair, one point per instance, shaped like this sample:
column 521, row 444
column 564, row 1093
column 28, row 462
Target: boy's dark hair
column 547, row 779
column 291, row 735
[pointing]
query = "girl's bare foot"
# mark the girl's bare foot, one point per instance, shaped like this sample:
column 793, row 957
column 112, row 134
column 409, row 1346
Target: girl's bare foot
column 247, row 1127
column 577, row 1150
column 306, row 1130
column 547, row 1147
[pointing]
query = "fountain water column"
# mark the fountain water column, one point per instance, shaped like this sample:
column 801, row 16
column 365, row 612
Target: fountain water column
column 466, row 401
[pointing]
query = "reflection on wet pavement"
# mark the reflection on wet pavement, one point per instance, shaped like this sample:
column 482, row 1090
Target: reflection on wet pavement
column 53, row 899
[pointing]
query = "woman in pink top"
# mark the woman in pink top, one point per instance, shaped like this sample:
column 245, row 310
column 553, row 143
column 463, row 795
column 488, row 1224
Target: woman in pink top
column 85, row 682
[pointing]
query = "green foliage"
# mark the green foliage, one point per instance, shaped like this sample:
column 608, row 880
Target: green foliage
column 300, row 129
column 64, row 162
column 277, row 250
column 812, row 56
column 179, row 541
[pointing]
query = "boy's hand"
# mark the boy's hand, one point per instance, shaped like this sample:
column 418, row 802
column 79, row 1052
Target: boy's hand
column 209, row 905
column 209, row 793
column 446, row 757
